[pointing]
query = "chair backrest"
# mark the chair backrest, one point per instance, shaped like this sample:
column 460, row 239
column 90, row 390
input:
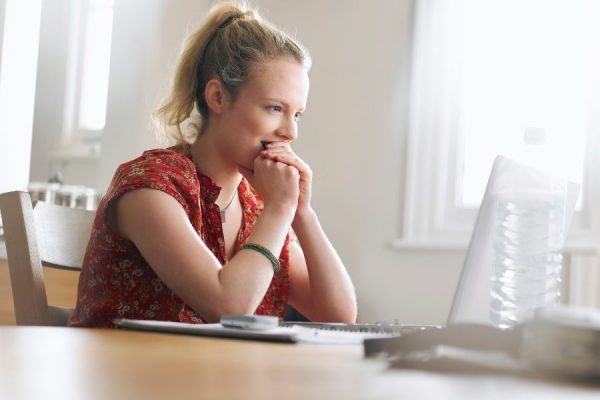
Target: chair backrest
column 49, row 235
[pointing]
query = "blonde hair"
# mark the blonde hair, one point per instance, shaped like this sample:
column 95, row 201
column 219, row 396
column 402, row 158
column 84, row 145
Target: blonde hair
column 230, row 42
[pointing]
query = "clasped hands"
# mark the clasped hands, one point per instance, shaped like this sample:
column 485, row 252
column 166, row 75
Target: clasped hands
column 280, row 176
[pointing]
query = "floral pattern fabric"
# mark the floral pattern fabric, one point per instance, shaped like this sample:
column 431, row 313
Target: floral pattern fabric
column 116, row 281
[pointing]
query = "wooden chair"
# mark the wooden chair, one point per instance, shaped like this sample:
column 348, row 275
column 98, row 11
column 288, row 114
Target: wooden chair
column 49, row 235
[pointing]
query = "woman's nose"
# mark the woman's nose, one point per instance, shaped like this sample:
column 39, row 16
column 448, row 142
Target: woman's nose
column 288, row 130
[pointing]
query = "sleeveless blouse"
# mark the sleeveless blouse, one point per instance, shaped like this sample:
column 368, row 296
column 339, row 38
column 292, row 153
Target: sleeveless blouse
column 117, row 282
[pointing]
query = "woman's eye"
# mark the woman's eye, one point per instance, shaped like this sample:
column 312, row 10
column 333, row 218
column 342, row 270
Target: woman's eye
column 275, row 108
column 297, row 116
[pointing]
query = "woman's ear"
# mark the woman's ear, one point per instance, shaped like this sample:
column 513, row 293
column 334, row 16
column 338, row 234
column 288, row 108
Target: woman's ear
column 215, row 96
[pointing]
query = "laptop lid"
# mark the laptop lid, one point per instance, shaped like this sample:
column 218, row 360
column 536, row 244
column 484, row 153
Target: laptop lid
column 472, row 297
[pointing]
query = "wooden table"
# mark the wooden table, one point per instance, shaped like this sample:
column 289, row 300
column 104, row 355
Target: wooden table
column 70, row 363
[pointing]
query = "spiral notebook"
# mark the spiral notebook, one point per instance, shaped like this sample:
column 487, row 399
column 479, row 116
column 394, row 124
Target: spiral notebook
column 289, row 333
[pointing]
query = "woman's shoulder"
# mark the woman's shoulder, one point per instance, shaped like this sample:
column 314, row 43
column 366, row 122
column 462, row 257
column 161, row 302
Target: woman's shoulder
column 158, row 160
column 175, row 156
column 157, row 168
column 168, row 170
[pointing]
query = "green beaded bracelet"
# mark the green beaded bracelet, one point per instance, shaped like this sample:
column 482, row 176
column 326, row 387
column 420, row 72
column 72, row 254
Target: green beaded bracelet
column 265, row 252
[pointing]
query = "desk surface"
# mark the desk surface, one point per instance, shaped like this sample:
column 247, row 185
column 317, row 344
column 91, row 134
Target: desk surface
column 69, row 363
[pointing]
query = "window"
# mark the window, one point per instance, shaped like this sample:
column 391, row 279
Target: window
column 88, row 69
column 512, row 77
column 525, row 91
column 95, row 65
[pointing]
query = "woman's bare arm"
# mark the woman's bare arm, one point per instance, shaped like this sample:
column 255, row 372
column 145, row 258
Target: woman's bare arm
column 320, row 287
column 159, row 227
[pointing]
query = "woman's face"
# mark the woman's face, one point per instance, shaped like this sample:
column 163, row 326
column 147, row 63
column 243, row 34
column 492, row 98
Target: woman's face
column 266, row 109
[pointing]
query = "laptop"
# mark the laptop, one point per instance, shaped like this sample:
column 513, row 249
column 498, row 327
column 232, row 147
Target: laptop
column 471, row 302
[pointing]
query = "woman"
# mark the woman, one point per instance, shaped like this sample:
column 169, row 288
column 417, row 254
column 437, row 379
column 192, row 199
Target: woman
column 202, row 230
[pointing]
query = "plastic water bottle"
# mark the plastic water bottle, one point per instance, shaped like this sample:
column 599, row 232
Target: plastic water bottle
column 527, row 262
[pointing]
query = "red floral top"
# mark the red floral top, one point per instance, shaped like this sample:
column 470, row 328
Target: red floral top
column 116, row 281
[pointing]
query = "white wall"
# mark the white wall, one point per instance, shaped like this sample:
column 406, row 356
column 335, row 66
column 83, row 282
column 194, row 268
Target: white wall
column 134, row 56
column 353, row 135
column 48, row 123
column 19, row 38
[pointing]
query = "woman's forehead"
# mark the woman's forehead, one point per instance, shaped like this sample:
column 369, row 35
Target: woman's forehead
column 281, row 78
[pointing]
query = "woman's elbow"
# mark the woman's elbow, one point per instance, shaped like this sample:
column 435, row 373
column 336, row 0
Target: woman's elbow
column 349, row 316
column 345, row 316
column 213, row 314
column 230, row 307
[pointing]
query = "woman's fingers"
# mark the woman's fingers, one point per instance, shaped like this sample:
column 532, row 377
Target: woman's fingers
column 274, row 145
column 276, row 182
column 290, row 160
column 281, row 153
column 286, row 156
